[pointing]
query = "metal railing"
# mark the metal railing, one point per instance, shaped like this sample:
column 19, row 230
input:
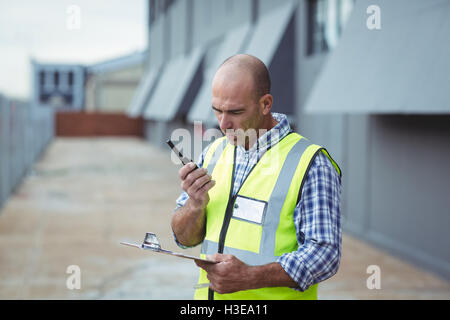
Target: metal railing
column 25, row 131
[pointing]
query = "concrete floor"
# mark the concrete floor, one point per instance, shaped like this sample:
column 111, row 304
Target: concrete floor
column 87, row 195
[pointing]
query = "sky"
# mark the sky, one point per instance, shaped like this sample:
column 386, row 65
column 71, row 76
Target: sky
column 65, row 31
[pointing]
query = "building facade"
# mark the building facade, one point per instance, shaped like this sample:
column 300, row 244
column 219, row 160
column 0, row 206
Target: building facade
column 106, row 86
column 343, row 84
column 111, row 84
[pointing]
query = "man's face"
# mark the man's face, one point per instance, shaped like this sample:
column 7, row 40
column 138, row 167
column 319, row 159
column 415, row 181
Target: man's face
column 237, row 110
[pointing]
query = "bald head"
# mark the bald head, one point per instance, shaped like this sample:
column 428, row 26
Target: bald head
column 241, row 99
column 253, row 67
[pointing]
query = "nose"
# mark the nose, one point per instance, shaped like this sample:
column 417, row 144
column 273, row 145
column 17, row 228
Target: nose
column 224, row 122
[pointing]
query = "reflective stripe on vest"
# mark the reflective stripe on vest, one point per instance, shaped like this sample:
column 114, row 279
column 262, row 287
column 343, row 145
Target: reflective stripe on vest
column 257, row 244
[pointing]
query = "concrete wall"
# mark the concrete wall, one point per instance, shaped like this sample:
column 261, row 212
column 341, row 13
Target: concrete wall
column 25, row 130
column 211, row 19
column 408, row 187
column 394, row 179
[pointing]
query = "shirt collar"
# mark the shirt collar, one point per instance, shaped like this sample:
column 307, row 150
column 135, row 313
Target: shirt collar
column 273, row 136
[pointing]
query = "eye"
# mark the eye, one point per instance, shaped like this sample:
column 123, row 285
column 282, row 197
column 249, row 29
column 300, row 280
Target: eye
column 217, row 110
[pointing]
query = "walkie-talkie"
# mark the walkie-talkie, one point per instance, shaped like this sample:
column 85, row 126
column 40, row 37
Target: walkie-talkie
column 180, row 156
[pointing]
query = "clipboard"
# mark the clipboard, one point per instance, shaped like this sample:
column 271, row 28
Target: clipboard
column 151, row 243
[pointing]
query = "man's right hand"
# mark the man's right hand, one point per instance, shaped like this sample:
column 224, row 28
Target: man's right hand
column 188, row 222
column 196, row 182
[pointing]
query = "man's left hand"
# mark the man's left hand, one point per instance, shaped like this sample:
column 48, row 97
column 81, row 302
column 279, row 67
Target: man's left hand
column 228, row 274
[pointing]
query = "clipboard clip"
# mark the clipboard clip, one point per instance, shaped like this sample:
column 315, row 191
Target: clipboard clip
column 152, row 243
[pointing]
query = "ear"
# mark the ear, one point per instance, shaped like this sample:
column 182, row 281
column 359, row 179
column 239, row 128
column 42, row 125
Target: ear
column 266, row 103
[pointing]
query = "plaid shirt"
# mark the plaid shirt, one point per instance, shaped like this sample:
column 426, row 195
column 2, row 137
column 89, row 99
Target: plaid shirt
column 316, row 216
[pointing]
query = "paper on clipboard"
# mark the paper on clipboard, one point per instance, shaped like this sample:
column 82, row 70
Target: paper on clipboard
column 151, row 243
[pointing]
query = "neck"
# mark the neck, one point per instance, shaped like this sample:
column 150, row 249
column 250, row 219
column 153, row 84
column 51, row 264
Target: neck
column 269, row 122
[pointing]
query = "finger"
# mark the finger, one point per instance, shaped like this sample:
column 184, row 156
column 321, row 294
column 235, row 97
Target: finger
column 202, row 264
column 216, row 257
column 198, row 263
column 207, row 186
column 186, row 169
column 189, row 178
column 212, row 284
column 193, row 176
column 200, row 182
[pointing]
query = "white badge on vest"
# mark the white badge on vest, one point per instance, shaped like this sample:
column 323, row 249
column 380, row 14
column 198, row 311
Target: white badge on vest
column 251, row 210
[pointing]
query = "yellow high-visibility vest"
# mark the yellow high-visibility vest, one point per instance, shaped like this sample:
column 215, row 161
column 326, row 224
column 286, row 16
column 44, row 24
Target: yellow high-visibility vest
column 274, row 183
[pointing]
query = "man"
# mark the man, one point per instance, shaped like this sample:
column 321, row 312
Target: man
column 265, row 206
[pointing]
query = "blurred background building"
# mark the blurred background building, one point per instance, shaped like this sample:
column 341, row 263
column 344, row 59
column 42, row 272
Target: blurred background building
column 376, row 98
column 90, row 99
column 111, row 84
column 58, row 85
column 106, row 86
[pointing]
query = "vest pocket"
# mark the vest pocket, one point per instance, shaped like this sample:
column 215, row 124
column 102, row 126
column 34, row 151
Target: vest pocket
column 243, row 235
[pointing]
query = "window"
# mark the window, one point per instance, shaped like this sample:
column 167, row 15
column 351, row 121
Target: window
column 167, row 4
column 70, row 78
column 254, row 10
column 325, row 22
column 41, row 78
column 157, row 8
column 229, row 6
column 151, row 12
column 207, row 5
column 56, row 78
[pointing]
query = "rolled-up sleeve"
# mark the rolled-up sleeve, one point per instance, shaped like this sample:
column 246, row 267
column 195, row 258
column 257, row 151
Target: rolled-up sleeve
column 317, row 222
